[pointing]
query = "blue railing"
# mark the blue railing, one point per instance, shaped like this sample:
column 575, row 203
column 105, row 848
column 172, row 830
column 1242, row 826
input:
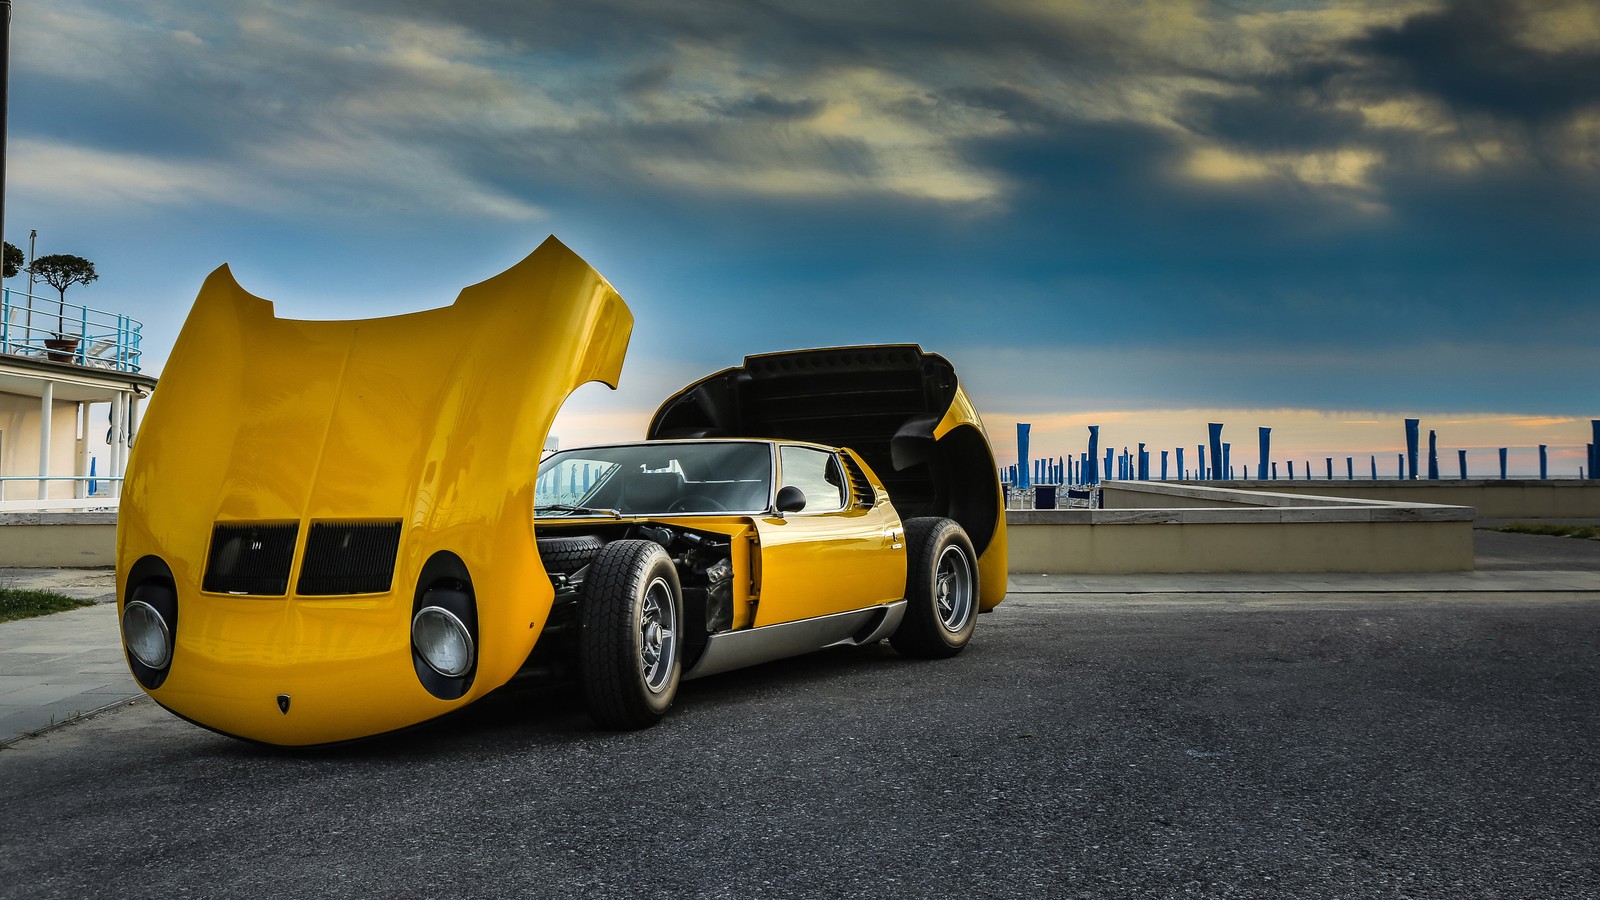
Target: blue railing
column 45, row 328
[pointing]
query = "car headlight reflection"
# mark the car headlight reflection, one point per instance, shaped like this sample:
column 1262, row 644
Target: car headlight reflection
column 442, row 641
column 146, row 634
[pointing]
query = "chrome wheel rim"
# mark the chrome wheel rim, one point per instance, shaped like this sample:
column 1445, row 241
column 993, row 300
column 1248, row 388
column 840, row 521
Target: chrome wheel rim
column 952, row 589
column 658, row 639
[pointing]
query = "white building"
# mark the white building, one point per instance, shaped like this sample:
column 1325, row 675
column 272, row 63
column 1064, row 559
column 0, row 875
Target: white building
column 52, row 368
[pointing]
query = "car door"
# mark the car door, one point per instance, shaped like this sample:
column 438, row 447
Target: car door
column 841, row 552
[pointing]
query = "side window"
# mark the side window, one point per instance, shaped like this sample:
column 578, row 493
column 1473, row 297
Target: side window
column 815, row 473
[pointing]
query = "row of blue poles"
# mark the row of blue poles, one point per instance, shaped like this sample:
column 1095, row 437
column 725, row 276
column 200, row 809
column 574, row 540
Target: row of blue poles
column 1088, row 467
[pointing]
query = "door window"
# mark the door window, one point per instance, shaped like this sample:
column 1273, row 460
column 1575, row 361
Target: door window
column 816, row 474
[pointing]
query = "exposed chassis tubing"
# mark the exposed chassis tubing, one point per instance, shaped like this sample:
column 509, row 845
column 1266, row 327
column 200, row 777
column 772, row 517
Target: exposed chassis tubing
column 432, row 420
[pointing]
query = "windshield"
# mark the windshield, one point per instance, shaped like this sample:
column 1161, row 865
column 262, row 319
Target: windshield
column 655, row 478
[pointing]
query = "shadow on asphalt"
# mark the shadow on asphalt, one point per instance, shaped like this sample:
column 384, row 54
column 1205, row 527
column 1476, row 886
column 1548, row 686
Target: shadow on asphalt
column 555, row 714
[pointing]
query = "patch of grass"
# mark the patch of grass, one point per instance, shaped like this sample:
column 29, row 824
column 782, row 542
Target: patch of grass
column 1587, row 532
column 19, row 604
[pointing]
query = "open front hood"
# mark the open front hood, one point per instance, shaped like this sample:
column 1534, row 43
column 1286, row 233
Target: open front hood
column 437, row 418
column 431, row 423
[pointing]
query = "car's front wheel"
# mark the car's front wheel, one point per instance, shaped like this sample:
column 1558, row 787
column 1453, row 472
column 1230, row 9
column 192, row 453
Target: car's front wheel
column 629, row 645
column 941, row 590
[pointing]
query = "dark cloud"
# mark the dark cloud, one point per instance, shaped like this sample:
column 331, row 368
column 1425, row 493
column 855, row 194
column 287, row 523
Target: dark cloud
column 1272, row 119
column 1100, row 229
column 763, row 105
column 1467, row 55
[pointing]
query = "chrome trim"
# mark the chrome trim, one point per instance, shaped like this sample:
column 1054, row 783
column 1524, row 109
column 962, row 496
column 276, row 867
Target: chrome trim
column 953, row 589
column 658, row 635
column 728, row 650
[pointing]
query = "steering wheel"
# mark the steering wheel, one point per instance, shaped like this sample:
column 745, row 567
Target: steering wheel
column 700, row 502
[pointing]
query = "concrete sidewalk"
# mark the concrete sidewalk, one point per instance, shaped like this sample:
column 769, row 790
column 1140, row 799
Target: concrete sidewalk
column 59, row 667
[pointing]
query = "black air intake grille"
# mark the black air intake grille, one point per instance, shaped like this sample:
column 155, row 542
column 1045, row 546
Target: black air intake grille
column 349, row 558
column 250, row 559
column 860, row 487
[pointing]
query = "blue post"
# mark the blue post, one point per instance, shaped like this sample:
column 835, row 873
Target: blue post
column 1266, row 451
column 1144, row 463
column 1594, row 454
column 1274, row 471
column 1200, row 467
column 1433, row 455
column 1411, row 447
column 1544, row 462
column 1109, row 451
column 1090, row 475
column 1163, row 465
column 1400, row 463
column 1227, row 467
column 1083, row 467
column 1182, row 475
column 1502, row 464
column 1218, row 462
column 1330, row 468
column 1349, row 468
column 1374, row 467
column 1462, row 456
column 1022, row 453
column 1291, row 470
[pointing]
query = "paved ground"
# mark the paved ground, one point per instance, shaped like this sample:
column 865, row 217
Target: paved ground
column 1206, row 744
column 60, row 667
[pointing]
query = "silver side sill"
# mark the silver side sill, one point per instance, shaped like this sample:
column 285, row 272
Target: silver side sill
column 730, row 650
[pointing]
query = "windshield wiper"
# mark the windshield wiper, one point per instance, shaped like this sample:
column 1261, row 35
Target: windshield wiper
column 578, row 510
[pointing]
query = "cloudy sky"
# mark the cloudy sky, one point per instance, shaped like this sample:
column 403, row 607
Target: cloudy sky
column 1316, row 216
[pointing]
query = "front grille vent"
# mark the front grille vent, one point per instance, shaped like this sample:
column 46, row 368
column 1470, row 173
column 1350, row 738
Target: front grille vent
column 349, row 558
column 250, row 559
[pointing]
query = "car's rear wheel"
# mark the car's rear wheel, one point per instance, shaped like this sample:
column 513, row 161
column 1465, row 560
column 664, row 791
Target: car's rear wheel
column 629, row 648
column 941, row 590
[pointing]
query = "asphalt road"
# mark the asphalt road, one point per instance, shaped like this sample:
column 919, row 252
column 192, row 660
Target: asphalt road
column 1168, row 746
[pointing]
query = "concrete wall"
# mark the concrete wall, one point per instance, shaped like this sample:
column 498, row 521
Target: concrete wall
column 1493, row 499
column 1111, row 549
column 19, row 445
column 1170, row 527
column 52, row 539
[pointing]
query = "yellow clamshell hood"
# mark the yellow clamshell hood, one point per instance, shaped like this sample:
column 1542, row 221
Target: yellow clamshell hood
column 429, row 425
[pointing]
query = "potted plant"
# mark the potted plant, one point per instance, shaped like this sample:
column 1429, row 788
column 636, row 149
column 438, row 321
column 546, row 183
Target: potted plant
column 61, row 271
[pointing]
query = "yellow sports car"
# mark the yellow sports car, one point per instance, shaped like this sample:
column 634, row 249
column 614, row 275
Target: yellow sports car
column 332, row 530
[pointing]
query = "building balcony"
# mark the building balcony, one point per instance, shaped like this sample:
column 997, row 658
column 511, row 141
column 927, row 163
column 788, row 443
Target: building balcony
column 44, row 328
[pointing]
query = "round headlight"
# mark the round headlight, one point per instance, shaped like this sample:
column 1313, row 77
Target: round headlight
column 146, row 634
column 442, row 641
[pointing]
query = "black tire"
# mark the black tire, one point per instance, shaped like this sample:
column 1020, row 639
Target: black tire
column 941, row 590
column 568, row 553
column 631, row 588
